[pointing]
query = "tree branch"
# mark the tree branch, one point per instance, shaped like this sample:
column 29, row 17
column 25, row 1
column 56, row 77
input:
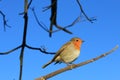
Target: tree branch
column 43, row 27
column 27, row 7
column 40, row 49
column 5, row 53
column 29, row 4
column 76, row 65
column 53, row 18
column 48, row 7
column 53, row 15
column 24, row 37
column 81, row 9
column 4, row 21
column 70, row 25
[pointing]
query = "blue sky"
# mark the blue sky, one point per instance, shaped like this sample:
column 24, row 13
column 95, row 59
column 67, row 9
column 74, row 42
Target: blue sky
column 99, row 37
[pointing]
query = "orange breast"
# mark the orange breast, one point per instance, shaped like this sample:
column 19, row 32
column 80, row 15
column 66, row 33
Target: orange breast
column 77, row 45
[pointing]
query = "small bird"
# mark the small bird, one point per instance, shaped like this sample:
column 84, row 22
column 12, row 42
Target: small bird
column 68, row 53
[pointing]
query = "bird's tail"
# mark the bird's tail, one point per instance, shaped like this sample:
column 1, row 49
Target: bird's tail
column 47, row 64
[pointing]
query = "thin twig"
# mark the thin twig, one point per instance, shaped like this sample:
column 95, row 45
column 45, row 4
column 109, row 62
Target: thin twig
column 48, row 7
column 5, row 24
column 29, row 4
column 64, row 29
column 33, row 10
column 53, row 22
column 70, row 25
column 39, row 49
column 44, row 27
column 76, row 65
column 5, row 53
column 73, row 23
column 89, row 19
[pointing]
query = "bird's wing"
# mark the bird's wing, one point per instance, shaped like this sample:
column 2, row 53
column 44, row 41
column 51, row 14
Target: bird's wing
column 61, row 50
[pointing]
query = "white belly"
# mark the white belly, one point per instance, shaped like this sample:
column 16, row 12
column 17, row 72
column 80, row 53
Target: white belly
column 69, row 55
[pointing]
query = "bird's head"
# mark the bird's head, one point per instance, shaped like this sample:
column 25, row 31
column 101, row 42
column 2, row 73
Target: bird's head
column 77, row 42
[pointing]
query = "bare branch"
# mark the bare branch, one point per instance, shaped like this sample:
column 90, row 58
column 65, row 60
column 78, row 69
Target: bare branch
column 29, row 4
column 21, row 62
column 40, row 49
column 73, row 23
column 43, row 27
column 70, row 25
column 89, row 19
column 5, row 53
column 53, row 7
column 61, row 28
column 48, row 7
column 53, row 18
column 76, row 65
column 5, row 24
column 24, row 37
column 53, row 21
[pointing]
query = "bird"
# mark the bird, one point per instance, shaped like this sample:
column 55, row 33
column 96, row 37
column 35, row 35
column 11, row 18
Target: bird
column 68, row 53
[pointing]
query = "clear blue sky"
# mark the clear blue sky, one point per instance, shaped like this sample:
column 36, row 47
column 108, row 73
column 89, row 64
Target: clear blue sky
column 99, row 37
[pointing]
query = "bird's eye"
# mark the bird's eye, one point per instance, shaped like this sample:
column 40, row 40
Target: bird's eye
column 77, row 40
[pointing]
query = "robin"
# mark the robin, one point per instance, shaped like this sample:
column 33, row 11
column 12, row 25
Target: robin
column 68, row 52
